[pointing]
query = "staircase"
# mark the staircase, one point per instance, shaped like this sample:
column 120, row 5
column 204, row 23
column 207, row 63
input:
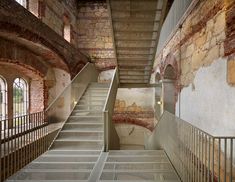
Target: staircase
column 139, row 166
column 77, row 148
column 136, row 27
column 76, row 154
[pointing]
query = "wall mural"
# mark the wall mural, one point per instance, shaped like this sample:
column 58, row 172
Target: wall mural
column 135, row 106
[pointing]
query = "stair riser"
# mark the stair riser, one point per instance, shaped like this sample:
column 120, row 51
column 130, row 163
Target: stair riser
column 67, row 159
column 99, row 108
column 140, row 166
column 52, row 176
column 92, row 102
column 64, row 152
column 65, row 166
column 136, row 159
column 83, row 127
column 64, row 145
column 86, row 114
column 85, row 119
column 138, row 176
column 81, row 136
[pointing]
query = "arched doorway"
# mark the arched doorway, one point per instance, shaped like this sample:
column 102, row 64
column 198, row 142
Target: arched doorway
column 169, row 88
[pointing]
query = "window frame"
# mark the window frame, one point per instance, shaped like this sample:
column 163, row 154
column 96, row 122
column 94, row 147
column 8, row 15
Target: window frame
column 23, row 86
column 4, row 98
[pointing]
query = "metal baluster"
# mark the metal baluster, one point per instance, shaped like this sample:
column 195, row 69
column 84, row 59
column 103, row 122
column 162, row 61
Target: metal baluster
column 15, row 145
column 21, row 142
column 209, row 159
column 37, row 134
column 34, row 136
column 4, row 148
column 225, row 159
column 10, row 154
column 205, row 157
column 197, row 156
column 8, row 148
column 18, row 144
column 219, row 147
column 1, row 164
column 30, row 136
column 231, row 159
column 194, row 154
column 213, row 159
column 25, row 137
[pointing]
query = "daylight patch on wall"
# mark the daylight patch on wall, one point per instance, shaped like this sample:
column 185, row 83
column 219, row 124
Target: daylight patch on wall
column 135, row 106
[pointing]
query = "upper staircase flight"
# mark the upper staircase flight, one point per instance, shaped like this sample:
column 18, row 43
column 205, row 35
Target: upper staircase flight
column 136, row 27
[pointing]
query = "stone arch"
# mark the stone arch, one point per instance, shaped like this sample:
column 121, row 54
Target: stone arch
column 170, row 77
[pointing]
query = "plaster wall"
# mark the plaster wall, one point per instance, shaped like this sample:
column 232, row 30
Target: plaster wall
column 58, row 79
column 209, row 102
column 135, row 106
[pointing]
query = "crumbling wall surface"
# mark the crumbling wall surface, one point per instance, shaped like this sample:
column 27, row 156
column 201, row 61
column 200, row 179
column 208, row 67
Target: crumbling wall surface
column 95, row 33
column 203, row 49
column 55, row 12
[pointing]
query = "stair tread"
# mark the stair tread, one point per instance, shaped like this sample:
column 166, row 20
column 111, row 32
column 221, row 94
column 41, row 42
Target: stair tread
column 80, row 131
column 77, row 140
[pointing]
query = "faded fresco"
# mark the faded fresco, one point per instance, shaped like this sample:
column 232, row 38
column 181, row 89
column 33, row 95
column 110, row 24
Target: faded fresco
column 135, row 106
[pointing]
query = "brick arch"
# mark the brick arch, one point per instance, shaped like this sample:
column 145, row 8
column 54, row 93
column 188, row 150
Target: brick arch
column 18, row 56
column 170, row 70
column 170, row 60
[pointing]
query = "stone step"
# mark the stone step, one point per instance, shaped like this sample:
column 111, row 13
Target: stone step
column 66, row 158
column 84, row 126
column 81, row 135
column 85, row 117
column 25, row 176
column 138, row 166
column 136, row 176
column 77, row 145
column 89, row 107
column 136, row 159
column 60, row 165
column 71, row 153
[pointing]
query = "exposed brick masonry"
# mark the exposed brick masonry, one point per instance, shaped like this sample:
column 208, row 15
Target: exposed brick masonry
column 95, row 33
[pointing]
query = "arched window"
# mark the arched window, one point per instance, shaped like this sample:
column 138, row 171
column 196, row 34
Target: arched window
column 20, row 97
column 3, row 98
column 22, row 3
column 66, row 28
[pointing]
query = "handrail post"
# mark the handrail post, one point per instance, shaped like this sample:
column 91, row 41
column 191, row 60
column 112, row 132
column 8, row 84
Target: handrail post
column 106, row 130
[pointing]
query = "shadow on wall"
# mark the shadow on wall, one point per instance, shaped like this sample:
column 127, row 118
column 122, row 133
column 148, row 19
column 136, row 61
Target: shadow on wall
column 135, row 106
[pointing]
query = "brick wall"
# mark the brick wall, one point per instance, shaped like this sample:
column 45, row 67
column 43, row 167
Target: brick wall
column 95, row 33
column 198, row 43
column 55, row 11
column 10, row 72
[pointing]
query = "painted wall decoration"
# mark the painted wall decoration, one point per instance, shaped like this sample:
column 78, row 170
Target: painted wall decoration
column 135, row 106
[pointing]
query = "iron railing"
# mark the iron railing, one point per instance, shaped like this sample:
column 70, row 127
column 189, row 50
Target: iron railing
column 23, row 139
column 196, row 155
column 111, row 138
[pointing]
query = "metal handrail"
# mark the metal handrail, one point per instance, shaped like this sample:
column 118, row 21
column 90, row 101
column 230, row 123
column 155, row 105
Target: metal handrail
column 24, row 138
column 109, row 128
column 195, row 154
column 66, row 88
